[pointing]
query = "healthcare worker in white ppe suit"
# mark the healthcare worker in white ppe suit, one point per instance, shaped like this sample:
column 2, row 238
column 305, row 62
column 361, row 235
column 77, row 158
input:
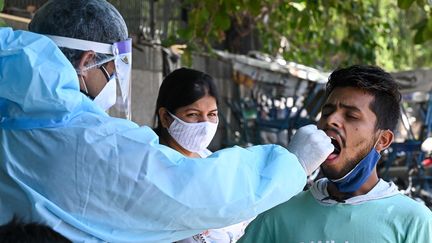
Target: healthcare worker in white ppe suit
column 91, row 177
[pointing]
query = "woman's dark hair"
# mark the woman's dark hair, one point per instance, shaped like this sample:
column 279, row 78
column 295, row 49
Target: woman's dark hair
column 375, row 81
column 180, row 88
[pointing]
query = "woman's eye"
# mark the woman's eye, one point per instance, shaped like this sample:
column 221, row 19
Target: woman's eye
column 192, row 115
column 212, row 114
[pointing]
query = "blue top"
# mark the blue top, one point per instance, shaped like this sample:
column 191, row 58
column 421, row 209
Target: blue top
column 64, row 162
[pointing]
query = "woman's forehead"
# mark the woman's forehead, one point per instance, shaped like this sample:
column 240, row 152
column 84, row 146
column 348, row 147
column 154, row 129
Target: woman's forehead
column 206, row 103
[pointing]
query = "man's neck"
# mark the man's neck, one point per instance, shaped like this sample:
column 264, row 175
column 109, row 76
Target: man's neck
column 370, row 183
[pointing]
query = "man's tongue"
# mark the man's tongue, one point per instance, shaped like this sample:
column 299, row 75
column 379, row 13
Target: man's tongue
column 332, row 156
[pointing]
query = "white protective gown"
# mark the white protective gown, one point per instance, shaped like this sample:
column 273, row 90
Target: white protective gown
column 91, row 177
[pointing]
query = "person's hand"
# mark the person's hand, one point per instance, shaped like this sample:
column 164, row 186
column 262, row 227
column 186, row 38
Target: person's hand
column 178, row 49
column 311, row 146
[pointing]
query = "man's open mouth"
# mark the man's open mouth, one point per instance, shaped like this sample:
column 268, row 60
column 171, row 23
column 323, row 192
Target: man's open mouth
column 337, row 147
column 336, row 151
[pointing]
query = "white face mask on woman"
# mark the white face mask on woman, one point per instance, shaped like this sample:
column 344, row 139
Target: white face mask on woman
column 194, row 137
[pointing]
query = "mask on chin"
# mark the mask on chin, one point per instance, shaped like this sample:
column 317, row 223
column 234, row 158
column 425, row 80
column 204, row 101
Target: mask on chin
column 352, row 181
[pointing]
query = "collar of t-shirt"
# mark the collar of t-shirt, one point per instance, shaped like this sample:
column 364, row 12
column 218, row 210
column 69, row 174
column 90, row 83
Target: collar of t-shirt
column 382, row 189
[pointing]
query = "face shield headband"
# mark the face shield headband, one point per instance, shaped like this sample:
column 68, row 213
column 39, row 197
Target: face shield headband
column 121, row 53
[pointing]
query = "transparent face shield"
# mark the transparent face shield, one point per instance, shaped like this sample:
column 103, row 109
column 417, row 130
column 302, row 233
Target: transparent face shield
column 119, row 52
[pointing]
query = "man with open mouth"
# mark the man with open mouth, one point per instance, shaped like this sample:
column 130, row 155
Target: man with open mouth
column 351, row 203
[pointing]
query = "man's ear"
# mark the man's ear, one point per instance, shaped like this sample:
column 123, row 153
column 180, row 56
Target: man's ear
column 164, row 117
column 385, row 139
column 87, row 58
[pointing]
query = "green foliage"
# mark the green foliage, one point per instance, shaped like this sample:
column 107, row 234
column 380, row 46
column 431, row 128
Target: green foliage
column 405, row 4
column 2, row 23
column 320, row 33
column 423, row 28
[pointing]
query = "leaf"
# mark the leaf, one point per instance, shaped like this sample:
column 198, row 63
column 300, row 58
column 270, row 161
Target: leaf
column 427, row 31
column 185, row 34
column 304, row 21
column 421, row 3
column 255, row 7
column 204, row 15
column 429, row 24
column 2, row 22
column 421, row 24
column 419, row 29
column 419, row 37
column 222, row 21
column 405, row 4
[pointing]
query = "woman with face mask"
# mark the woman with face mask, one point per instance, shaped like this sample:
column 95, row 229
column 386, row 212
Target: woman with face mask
column 187, row 120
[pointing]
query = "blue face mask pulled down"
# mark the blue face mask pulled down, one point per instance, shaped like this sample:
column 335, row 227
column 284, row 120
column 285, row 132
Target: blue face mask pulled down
column 352, row 181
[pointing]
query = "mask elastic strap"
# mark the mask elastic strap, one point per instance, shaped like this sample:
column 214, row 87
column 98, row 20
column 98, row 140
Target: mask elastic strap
column 84, row 84
column 85, row 91
column 105, row 73
column 376, row 143
column 190, row 123
column 175, row 117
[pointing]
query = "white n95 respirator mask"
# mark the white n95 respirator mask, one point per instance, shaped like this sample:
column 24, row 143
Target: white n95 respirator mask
column 194, row 137
column 108, row 95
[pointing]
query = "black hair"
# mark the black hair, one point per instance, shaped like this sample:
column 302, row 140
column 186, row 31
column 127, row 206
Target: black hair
column 17, row 231
column 377, row 82
column 180, row 88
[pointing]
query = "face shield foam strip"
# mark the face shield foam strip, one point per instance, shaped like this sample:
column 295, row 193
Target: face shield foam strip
column 117, row 48
column 82, row 45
